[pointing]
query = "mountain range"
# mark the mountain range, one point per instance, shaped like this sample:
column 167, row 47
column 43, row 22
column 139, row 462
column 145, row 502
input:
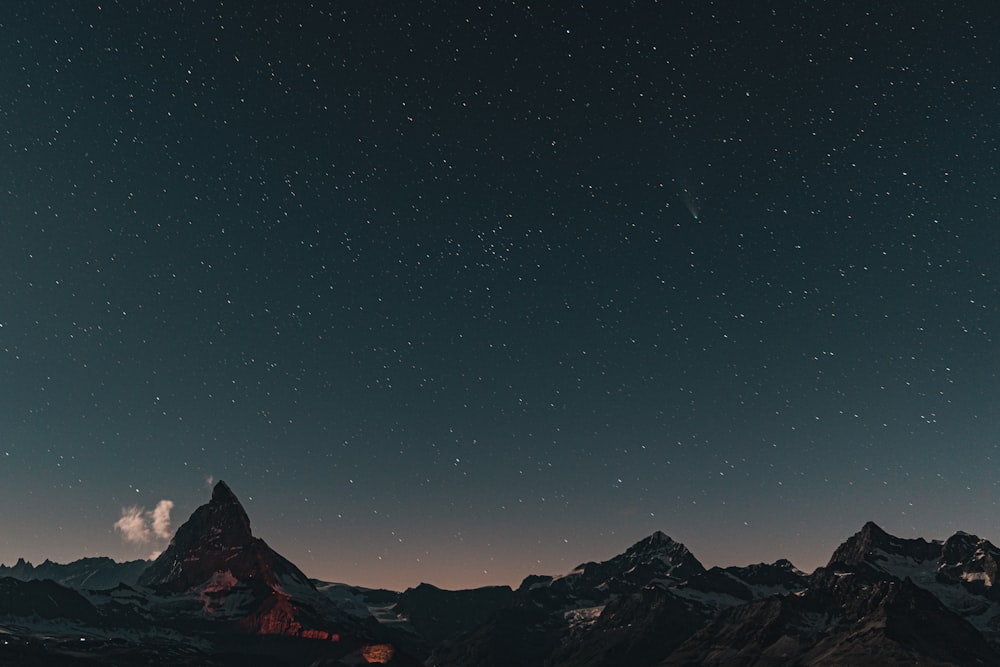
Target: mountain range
column 219, row 596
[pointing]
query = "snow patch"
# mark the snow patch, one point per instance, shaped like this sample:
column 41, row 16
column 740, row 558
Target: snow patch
column 582, row 617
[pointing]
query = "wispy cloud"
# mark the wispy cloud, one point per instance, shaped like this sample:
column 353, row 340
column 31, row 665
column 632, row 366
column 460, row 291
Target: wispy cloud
column 137, row 526
column 161, row 518
column 133, row 526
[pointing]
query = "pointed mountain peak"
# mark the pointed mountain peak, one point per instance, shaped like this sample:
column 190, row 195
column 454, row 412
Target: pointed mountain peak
column 223, row 494
column 224, row 516
column 656, row 542
column 658, row 545
column 659, row 537
column 216, row 531
column 873, row 545
column 873, row 531
column 959, row 542
column 969, row 559
column 661, row 551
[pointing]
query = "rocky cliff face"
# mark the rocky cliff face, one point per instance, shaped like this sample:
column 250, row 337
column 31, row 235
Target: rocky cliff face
column 881, row 600
column 219, row 591
column 217, row 538
column 217, row 565
column 873, row 546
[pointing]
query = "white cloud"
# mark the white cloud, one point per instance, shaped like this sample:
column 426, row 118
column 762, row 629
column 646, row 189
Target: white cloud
column 133, row 526
column 161, row 518
column 141, row 527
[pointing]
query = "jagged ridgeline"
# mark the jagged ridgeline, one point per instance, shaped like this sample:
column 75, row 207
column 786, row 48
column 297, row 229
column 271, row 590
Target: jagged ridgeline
column 218, row 595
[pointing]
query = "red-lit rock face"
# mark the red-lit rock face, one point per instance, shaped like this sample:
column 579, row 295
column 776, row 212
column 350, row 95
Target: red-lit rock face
column 237, row 577
column 217, row 538
column 378, row 653
column 277, row 617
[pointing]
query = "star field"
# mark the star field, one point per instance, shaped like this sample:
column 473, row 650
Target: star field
column 459, row 293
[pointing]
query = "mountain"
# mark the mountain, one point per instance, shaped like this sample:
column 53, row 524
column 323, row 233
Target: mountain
column 959, row 571
column 646, row 626
column 217, row 539
column 656, row 558
column 552, row 615
column 46, row 600
column 720, row 588
column 92, row 573
column 216, row 596
column 873, row 547
column 436, row 615
column 216, row 573
column 220, row 596
column 971, row 562
column 881, row 600
column 841, row 619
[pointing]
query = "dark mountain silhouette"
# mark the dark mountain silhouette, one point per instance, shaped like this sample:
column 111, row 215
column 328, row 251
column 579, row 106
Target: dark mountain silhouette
column 217, row 539
column 216, row 596
column 220, row 596
column 86, row 573
column 881, row 600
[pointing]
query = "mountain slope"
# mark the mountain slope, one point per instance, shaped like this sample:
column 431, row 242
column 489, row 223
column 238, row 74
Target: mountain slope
column 86, row 573
column 217, row 539
column 216, row 596
column 552, row 614
column 842, row 619
column 882, row 600
column 215, row 569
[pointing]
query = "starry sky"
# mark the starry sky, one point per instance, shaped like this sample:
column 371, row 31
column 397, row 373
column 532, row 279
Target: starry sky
column 458, row 293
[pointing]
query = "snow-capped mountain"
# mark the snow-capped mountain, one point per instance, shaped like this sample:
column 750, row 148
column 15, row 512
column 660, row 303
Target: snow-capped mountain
column 656, row 558
column 876, row 548
column 881, row 600
column 961, row 571
column 841, row 619
column 220, row 596
column 555, row 618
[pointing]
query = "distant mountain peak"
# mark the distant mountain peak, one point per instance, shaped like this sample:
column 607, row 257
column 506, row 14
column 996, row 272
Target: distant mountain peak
column 658, row 538
column 972, row 560
column 654, row 557
column 217, row 538
column 872, row 545
column 659, row 546
column 223, row 494
column 223, row 515
column 871, row 528
column 785, row 565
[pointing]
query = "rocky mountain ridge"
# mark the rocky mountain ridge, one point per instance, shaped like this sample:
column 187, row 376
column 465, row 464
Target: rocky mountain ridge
column 218, row 595
column 93, row 573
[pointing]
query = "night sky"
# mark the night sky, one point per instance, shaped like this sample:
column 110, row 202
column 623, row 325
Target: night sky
column 458, row 294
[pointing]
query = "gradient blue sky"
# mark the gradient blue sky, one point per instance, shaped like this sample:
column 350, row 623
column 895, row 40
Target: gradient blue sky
column 458, row 294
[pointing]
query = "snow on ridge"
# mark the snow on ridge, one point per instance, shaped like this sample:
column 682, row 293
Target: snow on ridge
column 583, row 616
